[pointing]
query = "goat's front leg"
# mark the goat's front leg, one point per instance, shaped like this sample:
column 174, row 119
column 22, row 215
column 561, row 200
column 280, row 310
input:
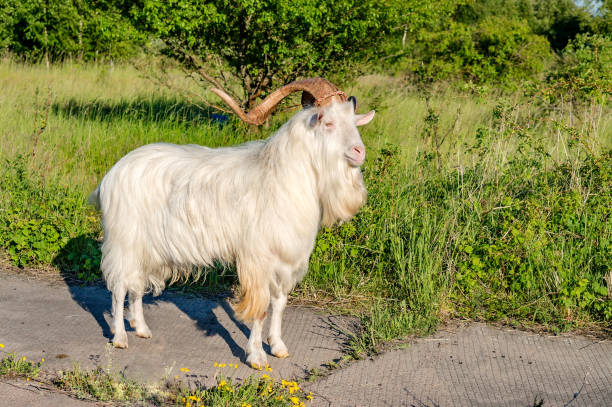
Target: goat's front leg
column 256, row 357
column 277, row 345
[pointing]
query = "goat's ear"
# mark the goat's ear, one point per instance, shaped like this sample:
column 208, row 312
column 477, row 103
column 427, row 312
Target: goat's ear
column 361, row 119
column 353, row 100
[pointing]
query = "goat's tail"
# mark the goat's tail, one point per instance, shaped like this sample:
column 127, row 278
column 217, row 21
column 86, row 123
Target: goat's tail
column 94, row 198
column 255, row 292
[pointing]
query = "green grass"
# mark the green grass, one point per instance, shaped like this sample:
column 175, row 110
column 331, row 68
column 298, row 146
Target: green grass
column 481, row 204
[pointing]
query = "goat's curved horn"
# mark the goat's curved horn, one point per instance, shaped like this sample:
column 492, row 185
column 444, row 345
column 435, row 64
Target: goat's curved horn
column 315, row 92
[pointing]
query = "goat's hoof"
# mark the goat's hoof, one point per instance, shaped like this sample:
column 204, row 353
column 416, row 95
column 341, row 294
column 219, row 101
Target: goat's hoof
column 257, row 362
column 281, row 354
column 144, row 333
column 278, row 348
column 120, row 341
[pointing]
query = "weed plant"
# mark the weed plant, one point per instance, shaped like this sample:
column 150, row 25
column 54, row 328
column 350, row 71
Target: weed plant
column 481, row 205
column 13, row 365
column 100, row 385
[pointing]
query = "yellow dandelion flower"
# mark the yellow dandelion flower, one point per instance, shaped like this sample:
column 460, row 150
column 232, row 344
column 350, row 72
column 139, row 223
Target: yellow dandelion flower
column 309, row 397
column 268, row 368
column 23, row 358
column 42, row 360
column 222, row 383
column 27, row 379
column 302, row 404
column 188, row 404
column 222, row 365
column 183, row 399
column 295, row 400
column 1, row 346
column 184, row 369
column 193, row 398
column 175, row 377
column 215, row 364
column 265, row 376
column 235, row 366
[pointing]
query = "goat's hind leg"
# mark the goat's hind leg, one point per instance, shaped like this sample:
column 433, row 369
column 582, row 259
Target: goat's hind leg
column 120, row 339
column 137, row 320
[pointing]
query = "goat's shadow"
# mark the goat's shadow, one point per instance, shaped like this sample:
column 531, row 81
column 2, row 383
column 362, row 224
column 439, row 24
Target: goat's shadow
column 96, row 299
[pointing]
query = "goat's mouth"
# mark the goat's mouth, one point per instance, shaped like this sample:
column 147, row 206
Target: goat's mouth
column 354, row 161
column 355, row 156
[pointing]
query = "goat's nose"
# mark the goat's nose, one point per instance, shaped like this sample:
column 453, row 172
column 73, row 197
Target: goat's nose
column 359, row 151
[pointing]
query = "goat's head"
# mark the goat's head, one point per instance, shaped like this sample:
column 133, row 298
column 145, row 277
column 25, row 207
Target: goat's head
column 340, row 125
column 337, row 124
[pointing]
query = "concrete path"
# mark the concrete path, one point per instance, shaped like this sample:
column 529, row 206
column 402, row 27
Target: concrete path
column 474, row 365
column 478, row 365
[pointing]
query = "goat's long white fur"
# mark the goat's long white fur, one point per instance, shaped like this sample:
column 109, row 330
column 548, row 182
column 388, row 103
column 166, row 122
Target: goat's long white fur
column 169, row 210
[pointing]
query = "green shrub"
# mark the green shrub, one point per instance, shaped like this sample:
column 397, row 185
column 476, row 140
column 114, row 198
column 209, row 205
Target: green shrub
column 585, row 68
column 63, row 28
column 547, row 243
column 44, row 223
column 496, row 49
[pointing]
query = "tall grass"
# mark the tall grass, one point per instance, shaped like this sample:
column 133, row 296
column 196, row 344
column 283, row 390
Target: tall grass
column 481, row 204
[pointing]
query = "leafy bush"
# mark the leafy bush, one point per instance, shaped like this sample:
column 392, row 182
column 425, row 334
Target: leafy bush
column 585, row 68
column 60, row 28
column 266, row 44
column 43, row 224
column 496, row 49
column 546, row 241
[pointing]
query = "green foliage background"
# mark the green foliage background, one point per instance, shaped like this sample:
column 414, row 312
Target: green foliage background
column 60, row 29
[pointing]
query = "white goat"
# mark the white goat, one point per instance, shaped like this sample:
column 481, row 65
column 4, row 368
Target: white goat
column 169, row 210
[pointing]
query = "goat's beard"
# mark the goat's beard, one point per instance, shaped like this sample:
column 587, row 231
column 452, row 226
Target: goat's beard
column 342, row 195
